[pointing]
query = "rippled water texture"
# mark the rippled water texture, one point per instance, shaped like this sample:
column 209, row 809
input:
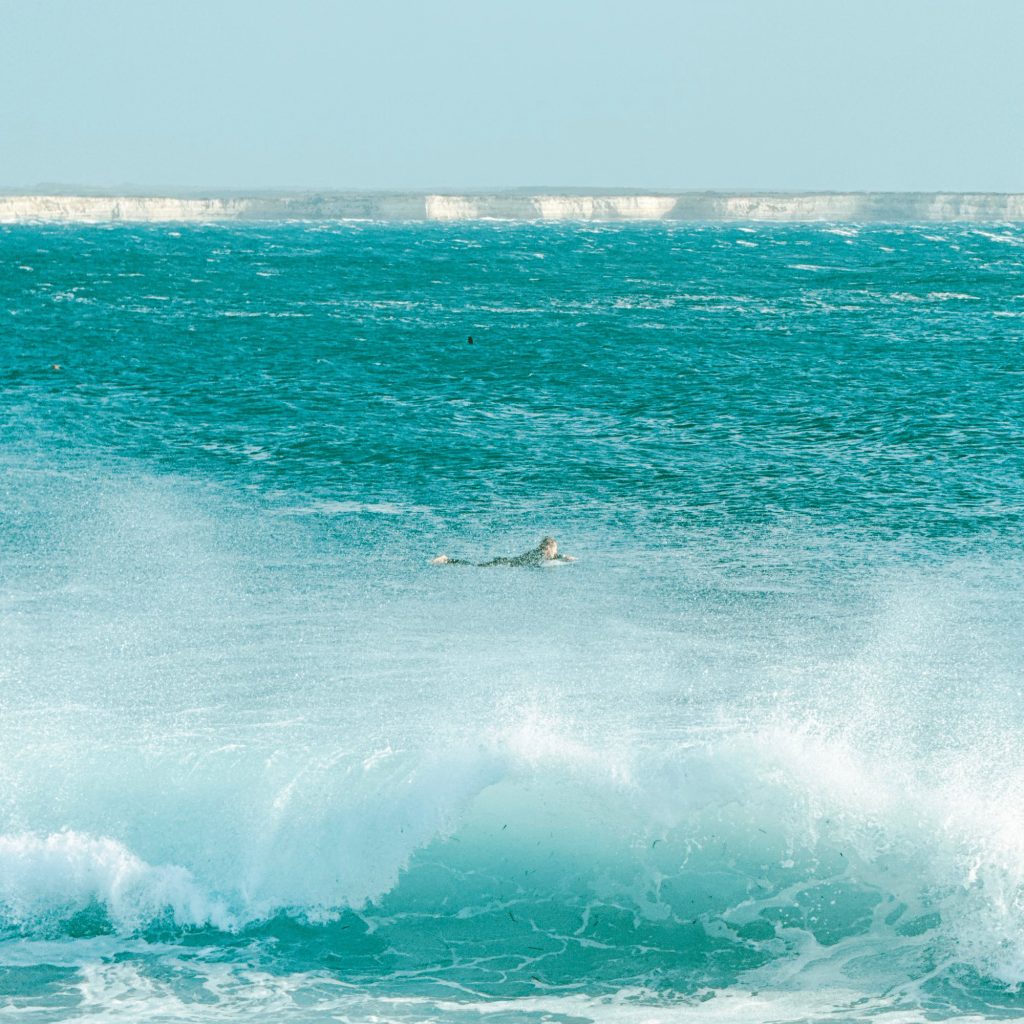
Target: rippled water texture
column 755, row 756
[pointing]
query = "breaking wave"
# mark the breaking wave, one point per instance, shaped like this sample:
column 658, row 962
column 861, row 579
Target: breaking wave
column 785, row 850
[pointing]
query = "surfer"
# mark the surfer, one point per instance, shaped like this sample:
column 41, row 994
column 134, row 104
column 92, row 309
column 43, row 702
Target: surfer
column 545, row 551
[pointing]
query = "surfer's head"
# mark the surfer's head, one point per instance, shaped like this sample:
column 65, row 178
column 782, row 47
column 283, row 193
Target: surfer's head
column 548, row 547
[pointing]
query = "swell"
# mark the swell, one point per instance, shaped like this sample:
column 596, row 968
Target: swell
column 533, row 856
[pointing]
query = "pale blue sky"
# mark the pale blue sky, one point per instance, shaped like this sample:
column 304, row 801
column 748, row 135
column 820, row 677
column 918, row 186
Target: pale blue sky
column 774, row 94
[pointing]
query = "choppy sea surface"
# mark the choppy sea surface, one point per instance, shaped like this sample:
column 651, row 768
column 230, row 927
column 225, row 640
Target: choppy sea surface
column 755, row 756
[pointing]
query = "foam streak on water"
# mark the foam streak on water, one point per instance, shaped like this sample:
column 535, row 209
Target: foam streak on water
column 754, row 756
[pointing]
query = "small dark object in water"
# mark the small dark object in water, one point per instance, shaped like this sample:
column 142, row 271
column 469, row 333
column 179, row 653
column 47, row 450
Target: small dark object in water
column 469, row 340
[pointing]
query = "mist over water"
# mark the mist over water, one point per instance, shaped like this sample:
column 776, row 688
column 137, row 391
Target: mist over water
column 754, row 756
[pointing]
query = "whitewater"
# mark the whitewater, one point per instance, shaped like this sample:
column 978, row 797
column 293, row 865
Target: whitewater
column 754, row 756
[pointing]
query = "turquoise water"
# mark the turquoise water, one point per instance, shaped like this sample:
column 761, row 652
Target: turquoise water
column 755, row 756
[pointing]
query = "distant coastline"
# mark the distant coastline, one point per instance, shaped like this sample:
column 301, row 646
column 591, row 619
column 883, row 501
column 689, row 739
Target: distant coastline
column 514, row 205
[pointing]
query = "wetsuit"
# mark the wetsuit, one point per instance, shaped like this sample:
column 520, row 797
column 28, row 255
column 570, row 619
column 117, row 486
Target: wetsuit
column 527, row 558
column 530, row 558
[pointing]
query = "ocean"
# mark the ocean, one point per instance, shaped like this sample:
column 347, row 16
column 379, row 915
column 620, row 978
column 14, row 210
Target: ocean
column 754, row 756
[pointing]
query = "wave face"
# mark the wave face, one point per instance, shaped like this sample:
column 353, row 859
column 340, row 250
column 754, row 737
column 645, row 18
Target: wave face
column 754, row 756
column 861, row 207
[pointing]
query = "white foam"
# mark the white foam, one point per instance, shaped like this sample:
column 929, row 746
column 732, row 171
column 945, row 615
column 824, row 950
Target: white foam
column 59, row 875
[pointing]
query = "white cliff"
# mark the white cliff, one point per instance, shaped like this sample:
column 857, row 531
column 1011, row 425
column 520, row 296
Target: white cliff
column 104, row 209
column 451, row 208
column 413, row 206
column 603, row 207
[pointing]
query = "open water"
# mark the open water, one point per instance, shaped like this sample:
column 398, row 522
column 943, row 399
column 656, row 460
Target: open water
column 755, row 756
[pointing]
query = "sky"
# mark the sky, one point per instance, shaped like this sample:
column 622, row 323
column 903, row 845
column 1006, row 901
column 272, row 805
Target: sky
column 448, row 94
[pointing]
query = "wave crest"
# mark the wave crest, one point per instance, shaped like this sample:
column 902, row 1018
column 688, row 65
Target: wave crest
column 786, row 850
